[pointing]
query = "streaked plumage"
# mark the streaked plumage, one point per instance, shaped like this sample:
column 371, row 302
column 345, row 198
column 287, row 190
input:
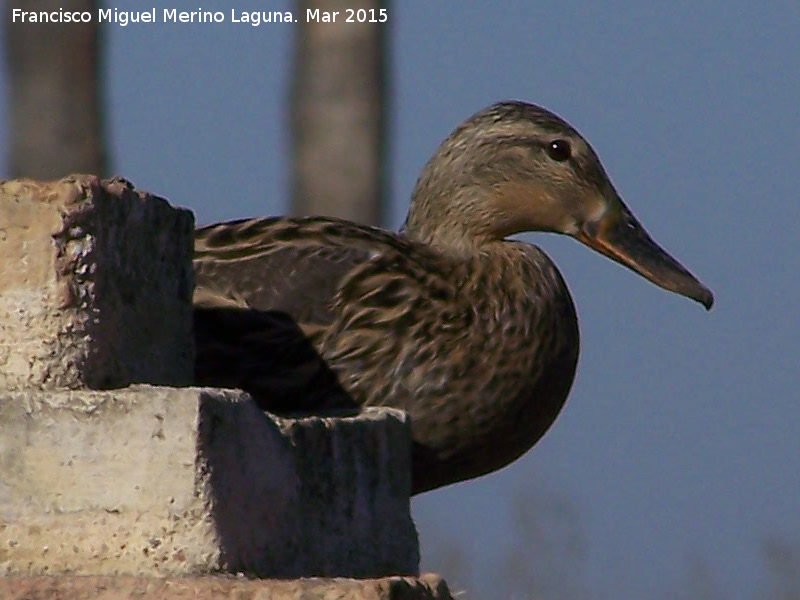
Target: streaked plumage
column 473, row 334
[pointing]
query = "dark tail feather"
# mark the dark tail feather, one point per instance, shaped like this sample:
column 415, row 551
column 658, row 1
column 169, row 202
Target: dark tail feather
column 266, row 354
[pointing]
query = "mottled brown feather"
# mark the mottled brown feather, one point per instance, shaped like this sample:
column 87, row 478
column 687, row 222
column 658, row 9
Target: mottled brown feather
column 397, row 324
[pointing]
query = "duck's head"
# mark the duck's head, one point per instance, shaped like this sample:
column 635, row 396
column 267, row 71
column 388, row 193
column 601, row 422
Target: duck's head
column 517, row 167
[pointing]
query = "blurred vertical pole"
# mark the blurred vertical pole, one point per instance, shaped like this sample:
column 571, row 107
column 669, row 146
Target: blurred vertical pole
column 338, row 112
column 56, row 121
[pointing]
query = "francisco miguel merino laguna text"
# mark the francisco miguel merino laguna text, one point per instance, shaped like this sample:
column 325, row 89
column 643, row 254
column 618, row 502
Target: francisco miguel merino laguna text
column 172, row 15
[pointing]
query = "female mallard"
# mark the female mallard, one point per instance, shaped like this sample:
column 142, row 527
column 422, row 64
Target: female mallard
column 472, row 334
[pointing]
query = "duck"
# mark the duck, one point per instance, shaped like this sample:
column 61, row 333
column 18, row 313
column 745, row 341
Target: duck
column 471, row 332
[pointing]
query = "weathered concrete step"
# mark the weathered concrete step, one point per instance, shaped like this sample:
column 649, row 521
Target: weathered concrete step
column 95, row 286
column 168, row 481
column 427, row 587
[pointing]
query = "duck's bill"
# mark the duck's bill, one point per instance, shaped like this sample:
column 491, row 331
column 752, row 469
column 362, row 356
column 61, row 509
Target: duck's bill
column 618, row 235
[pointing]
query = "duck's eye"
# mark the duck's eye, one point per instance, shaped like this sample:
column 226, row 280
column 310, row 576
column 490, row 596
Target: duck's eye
column 559, row 150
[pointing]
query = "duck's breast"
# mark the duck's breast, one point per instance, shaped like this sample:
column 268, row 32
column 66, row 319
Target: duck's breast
column 481, row 353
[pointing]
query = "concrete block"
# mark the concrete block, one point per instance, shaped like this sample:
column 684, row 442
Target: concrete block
column 95, row 286
column 427, row 587
column 161, row 481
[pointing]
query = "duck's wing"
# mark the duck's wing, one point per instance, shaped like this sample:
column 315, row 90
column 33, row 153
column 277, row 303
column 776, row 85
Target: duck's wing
column 293, row 266
column 264, row 291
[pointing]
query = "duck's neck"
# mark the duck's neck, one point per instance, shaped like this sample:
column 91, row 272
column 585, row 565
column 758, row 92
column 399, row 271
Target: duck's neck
column 454, row 227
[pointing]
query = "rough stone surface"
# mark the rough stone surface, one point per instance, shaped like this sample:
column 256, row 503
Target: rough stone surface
column 161, row 481
column 95, row 286
column 427, row 587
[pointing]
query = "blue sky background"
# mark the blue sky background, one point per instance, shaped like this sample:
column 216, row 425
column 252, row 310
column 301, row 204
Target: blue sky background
column 674, row 469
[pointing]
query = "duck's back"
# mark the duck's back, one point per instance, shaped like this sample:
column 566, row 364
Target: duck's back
column 289, row 265
column 263, row 295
